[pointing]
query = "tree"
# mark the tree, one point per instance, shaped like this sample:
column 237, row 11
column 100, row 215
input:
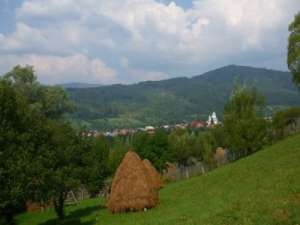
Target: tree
column 244, row 125
column 153, row 147
column 16, row 142
column 23, row 137
column 219, row 136
column 116, row 154
column 286, row 120
column 97, row 158
column 293, row 59
column 206, row 146
column 51, row 101
column 59, row 166
column 42, row 156
column 182, row 147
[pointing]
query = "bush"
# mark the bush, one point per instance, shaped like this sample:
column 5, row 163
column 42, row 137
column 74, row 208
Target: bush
column 285, row 122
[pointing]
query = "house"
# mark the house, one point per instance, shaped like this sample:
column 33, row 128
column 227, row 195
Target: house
column 92, row 133
column 196, row 124
column 181, row 126
column 124, row 132
column 166, row 127
column 150, row 129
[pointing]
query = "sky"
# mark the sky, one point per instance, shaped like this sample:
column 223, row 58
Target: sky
column 113, row 41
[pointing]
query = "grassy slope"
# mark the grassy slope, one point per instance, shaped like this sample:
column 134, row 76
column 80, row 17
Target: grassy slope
column 261, row 189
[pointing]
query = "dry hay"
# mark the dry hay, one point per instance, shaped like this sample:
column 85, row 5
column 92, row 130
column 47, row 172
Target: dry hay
column 132, row 188
column 171, row 172
column 153, row 174
column 220, row 156
column 32, row 206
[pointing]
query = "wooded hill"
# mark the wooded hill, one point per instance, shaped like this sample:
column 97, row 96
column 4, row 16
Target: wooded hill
column 178, row 99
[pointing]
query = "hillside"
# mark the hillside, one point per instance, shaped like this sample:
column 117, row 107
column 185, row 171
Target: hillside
column 261, row 189
column 178, row 99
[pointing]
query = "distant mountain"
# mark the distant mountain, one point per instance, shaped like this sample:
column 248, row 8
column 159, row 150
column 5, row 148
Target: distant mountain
column 178, row 99
column 79, row 85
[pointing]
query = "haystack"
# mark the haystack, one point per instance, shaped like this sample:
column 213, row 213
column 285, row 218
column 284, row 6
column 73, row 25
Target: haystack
column 153, row 174
column 220, row 156
column 132, row 188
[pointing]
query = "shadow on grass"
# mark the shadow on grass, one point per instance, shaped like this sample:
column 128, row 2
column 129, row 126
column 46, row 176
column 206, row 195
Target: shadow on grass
column 73, row 218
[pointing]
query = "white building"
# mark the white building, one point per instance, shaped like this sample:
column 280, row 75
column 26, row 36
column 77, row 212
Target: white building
column 212, row 120
column 209, row 121
column 150, row 129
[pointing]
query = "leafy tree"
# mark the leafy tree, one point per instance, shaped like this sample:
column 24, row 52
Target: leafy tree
column 219, row 136
column 206, row 144
column 293, row 59
column 116, row 154
column 182, row 146
column 97, row 157
column 244, row 124
column 153, row 147
column 60, row 167
column 54, row 102
column 16, row 140
column 67, row 162
column 42, row 156
column 51, row 101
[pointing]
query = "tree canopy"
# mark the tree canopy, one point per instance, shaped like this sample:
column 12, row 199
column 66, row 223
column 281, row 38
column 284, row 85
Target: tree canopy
column 293, row 60
column 42, row 156
column 244, row 124
column 16, row 120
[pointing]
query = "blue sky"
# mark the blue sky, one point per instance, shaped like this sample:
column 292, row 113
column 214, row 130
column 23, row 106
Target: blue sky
column 100, row 41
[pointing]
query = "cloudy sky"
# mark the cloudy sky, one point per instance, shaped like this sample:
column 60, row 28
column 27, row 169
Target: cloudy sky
column 125, row 41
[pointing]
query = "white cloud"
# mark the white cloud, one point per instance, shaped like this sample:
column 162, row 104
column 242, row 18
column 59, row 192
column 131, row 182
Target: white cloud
column 56, row 69
column 49, row 9
column 1, row 37
column 124, row 62
column 136, row 75
column 28, row 39
column 251, row 21
column 153, row 36
column 23, row 37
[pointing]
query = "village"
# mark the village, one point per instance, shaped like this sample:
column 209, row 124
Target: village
column 198, row 124
column 149, row 112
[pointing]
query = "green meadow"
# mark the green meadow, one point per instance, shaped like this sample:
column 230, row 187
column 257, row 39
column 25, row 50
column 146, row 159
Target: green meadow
column 263, row 188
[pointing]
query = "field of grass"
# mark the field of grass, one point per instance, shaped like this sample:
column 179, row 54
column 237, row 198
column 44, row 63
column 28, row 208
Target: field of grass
column 261, row 189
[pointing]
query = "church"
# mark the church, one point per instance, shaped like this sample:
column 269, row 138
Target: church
column 212, row 120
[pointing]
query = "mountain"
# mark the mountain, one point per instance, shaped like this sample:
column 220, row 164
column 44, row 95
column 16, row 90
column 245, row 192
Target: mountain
column 178, row 99
column 78, row 85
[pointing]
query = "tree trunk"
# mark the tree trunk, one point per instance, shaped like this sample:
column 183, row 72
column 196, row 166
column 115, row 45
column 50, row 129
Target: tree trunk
column 9, row 218
column 59, row 205
column 82, row 195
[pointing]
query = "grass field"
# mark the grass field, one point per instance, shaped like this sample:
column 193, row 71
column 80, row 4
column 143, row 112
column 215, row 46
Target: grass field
column 261, row 189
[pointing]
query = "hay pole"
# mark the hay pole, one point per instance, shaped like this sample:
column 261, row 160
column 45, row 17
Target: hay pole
column 74, row 197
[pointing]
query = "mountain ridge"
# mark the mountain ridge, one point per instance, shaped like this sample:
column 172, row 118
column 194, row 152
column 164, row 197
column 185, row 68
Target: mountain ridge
column 78, row 85
column 177, row 99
